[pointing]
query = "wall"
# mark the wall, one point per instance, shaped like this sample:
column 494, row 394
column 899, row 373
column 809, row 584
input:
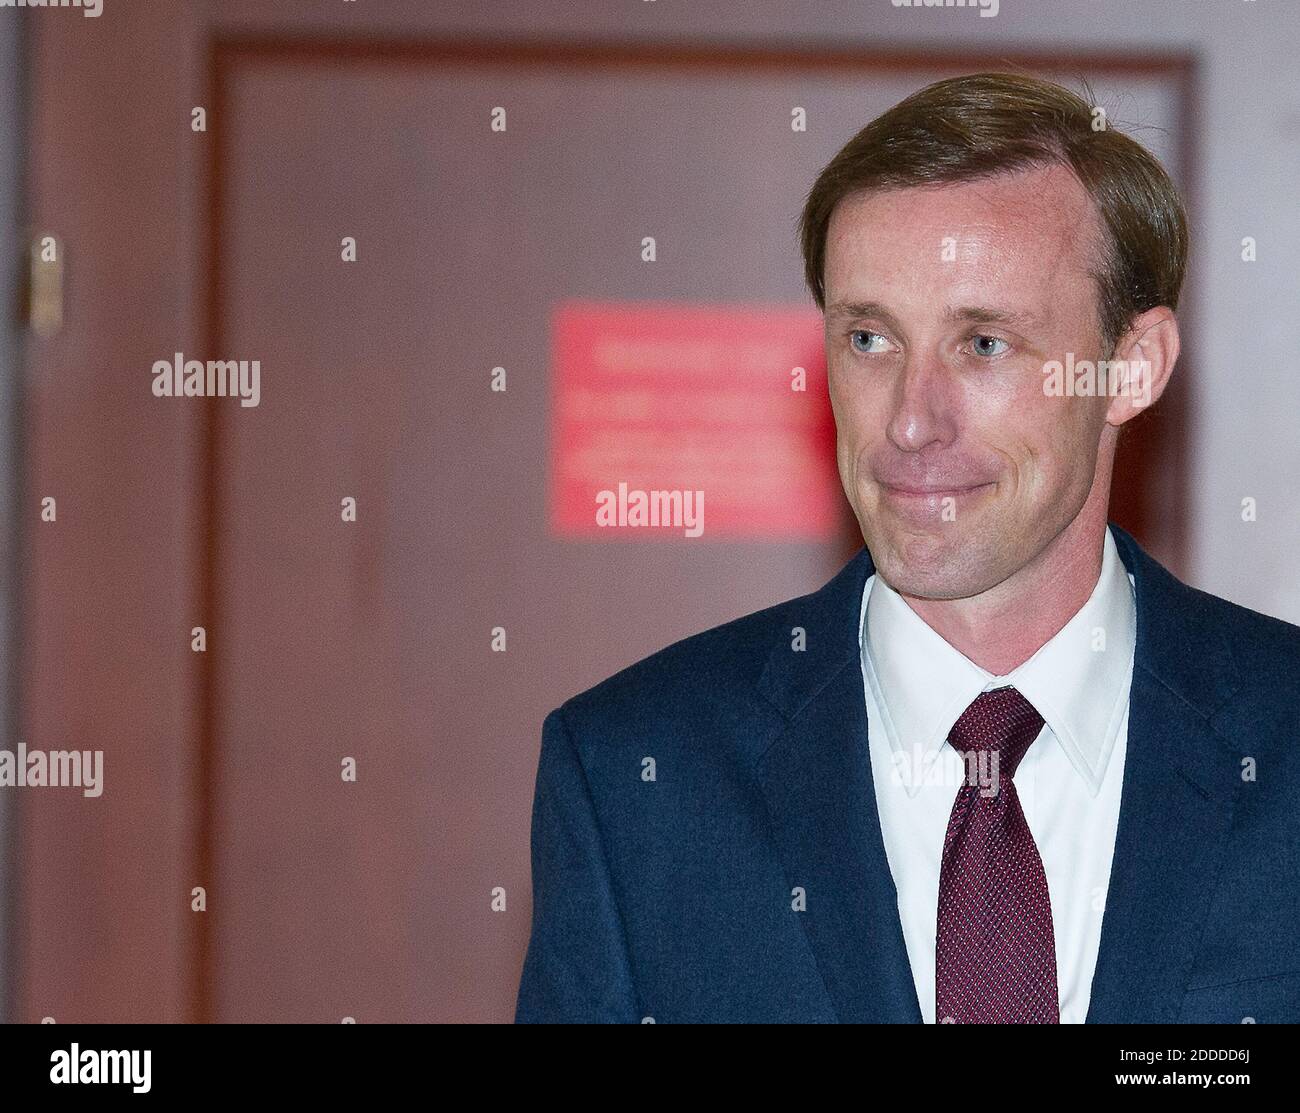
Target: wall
column 12, row 240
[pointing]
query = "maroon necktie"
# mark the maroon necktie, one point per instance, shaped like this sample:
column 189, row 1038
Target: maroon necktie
column 995, row 959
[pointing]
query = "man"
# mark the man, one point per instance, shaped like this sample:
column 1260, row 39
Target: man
column 1004, row 767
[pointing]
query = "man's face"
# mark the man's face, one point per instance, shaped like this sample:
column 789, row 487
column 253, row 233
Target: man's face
column 960, row 467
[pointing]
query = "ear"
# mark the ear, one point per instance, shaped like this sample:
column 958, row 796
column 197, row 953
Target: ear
column 1142, row 363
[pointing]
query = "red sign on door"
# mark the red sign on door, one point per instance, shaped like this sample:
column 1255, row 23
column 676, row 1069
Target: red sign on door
column 691, row 421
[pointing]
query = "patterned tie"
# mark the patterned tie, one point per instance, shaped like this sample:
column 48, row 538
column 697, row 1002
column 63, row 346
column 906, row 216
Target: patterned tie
column 995, row 958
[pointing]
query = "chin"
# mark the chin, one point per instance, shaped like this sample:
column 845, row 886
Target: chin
column 937, row 565
column 934, row 587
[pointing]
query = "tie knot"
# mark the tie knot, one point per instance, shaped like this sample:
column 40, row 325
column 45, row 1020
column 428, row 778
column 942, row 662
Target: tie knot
column 1002, row 722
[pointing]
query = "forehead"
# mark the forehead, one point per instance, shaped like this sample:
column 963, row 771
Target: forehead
column 1030, row 237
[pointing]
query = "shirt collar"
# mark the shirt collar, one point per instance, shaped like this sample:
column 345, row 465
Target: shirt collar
column 1078, row 680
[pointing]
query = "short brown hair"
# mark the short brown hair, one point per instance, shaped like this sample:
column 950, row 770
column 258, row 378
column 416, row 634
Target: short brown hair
column 983, row 125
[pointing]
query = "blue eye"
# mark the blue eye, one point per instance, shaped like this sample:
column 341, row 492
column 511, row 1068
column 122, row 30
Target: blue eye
column 980, row 350
column 868, row 333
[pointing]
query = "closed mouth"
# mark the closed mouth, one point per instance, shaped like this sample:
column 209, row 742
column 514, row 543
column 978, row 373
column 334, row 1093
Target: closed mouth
column 931, row 492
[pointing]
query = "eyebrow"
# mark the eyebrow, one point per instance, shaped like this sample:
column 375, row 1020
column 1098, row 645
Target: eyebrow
column 979, row 314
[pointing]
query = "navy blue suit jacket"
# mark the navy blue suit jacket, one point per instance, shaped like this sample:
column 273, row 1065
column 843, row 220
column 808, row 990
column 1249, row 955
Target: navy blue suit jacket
column 672, row 898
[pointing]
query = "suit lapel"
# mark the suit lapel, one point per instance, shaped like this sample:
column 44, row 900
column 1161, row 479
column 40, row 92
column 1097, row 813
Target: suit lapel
column 1174, row 819
column 1180, row 777
column 816, row 781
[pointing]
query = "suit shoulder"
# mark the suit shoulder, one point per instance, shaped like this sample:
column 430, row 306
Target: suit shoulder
column 1249, row 628
column 719, row 664
column 1265, row 649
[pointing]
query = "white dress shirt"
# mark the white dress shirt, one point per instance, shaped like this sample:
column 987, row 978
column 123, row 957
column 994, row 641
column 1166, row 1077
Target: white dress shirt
column 1069, row 781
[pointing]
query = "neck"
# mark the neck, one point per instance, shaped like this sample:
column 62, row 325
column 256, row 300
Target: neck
column 1003, row 627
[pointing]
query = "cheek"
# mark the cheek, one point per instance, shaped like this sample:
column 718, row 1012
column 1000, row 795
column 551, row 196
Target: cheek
column 1075, row 427
column 847, row 408
column 856, row 408
column 1050, row 442
column 856, row 425
column 1017, row 421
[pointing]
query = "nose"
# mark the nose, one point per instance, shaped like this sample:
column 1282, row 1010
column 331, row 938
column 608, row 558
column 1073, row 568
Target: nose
column 921, row 409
